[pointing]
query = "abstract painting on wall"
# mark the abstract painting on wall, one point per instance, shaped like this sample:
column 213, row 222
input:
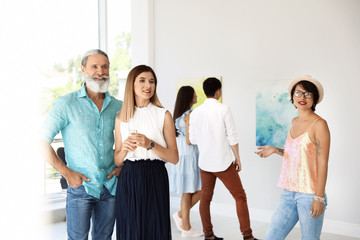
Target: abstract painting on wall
column 197, row 84
column 274, row 113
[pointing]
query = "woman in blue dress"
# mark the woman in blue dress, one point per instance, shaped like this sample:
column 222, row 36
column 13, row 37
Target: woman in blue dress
column 185, row 176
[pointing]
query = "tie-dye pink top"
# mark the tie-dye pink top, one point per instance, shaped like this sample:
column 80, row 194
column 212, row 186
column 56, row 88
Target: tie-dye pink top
column 299, row 169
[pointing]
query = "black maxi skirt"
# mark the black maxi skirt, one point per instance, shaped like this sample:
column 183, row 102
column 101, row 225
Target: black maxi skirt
column 142, row 201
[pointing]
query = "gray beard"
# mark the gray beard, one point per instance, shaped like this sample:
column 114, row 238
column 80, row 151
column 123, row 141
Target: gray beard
column 97, row 86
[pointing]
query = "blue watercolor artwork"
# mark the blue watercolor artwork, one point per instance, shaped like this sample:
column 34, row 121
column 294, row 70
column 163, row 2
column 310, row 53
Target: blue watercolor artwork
column 274, row 113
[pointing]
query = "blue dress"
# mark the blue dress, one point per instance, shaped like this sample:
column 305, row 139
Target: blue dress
column 184, row 177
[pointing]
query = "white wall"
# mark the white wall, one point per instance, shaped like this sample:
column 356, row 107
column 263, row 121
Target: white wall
column 21, row 172
column 142, row 32
column 246, row 41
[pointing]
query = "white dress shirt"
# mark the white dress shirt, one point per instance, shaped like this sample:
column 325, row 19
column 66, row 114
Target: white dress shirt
column 212, row 128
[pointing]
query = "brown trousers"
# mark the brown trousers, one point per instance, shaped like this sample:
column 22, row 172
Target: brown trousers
column 232, row 182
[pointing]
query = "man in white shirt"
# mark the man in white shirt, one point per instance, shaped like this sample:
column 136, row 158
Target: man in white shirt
column 212, row 128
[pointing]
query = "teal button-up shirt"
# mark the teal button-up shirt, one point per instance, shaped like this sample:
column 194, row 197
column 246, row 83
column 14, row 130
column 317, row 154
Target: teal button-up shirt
column 88, row 137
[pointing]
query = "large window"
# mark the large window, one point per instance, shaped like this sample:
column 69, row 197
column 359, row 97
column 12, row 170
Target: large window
column 118, row 42
column 73, row 28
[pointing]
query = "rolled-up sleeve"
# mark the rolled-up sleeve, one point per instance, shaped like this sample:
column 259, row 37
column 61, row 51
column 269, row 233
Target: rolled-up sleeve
column 231, row 132
column 55, row 121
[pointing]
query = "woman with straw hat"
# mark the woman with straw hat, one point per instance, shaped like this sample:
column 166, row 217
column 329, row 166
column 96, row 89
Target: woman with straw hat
column 304, row 168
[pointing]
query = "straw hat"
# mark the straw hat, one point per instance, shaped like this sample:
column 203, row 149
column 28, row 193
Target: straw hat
column 310, row 79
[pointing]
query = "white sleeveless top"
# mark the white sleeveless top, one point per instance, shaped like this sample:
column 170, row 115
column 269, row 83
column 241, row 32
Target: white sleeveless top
column 149, row 121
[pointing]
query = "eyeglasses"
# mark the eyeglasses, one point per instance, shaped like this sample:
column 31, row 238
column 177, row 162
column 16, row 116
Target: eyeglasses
column 299, row 93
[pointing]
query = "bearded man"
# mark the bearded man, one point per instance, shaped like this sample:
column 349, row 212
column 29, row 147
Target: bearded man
column 86, row 120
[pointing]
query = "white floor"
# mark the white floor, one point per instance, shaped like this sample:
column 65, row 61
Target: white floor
column 225, row 227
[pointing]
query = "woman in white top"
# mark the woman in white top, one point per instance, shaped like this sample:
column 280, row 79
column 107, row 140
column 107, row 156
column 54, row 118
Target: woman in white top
column 144, row 141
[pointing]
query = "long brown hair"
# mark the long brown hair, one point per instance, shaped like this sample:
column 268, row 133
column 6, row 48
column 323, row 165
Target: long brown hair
column 183, row 102
column 128, row 108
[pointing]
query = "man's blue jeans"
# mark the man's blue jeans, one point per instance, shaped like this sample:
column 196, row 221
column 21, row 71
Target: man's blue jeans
column 80, row 207
column 294, row 207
